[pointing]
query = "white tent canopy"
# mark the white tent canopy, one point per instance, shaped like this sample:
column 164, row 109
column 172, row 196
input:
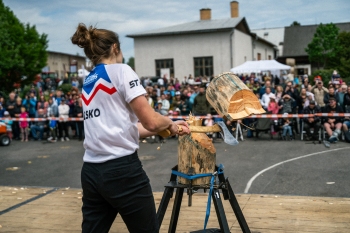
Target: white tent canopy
column 259, row 66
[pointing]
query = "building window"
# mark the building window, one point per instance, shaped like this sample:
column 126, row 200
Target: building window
column 165, row 63
column 269, row 57
column 259, row 56
column 203, row 66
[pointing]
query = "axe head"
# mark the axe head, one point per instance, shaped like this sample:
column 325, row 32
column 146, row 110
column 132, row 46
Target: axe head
column 226, row 134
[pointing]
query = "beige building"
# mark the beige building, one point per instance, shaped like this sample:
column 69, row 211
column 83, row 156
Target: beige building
column 60, row 65
column 204, row 47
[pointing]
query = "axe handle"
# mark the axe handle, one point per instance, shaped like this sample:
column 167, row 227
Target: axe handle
column 194, row 129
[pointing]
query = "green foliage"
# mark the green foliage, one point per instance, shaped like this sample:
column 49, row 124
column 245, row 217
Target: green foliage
column 66, row 87
column 131, row 62
column 344, row 55
column 325, row 74
column 295, row 23
column 22, row 51
column 324, row 46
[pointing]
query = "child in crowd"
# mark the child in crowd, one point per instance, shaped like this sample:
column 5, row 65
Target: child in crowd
column 23, row 124
column 273, row 108
column 53, row 125
column 287, row 128
column 8, row 123
column 210, row 122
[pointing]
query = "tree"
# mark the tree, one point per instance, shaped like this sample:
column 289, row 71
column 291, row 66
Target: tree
column 324, row 46
column 344, row 54
column 22, row 51
column 295, row 23
column 131, row 62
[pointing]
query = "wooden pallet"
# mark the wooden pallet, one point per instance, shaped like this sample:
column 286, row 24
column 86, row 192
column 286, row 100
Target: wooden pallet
column 60, row 211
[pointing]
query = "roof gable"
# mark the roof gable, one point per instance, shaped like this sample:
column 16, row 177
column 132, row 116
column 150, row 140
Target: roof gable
column 296, row 38
column 199, row 26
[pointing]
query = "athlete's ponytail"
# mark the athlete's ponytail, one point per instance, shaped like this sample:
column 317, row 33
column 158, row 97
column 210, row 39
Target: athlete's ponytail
column 97, row 43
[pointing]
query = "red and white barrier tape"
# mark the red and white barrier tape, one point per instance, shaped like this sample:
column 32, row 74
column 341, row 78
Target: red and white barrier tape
column 186, row 117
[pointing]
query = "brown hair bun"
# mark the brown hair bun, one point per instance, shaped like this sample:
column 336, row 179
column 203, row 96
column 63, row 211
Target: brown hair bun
column 82, row 36
column 96, row 42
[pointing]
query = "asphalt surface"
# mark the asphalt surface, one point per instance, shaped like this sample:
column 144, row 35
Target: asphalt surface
column 260, row 166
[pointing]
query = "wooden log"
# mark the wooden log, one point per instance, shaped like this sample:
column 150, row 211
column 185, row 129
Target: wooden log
column 196, row 155
column 231, row 98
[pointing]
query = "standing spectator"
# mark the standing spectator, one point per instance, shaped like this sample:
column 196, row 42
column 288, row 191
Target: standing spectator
column 42, row 104
column 165, row 105
column 177, row 100
column 201, row 106
column 331, row 94
column 8, row 122
column 177, row 85
column 333, row 125
column 291, row 90
column 160, row 82
column 75, row 82
column 262, row 90
column 149, row 100
column 63, row 113
column 265, row 99
column 312, row 122
column 58, row 97
column 78, row 112
column 38, row 125
column 10, row 107
column 17, row 112
column 346, row 101
column 30, row 103
column 319, row 93
column 341, row 93
column 193, row 96
column 23, row 124
column 71, row 104
column 2, row 109
column 279, row 93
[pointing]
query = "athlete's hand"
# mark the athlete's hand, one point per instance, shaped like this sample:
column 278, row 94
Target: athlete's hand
column 182, row 128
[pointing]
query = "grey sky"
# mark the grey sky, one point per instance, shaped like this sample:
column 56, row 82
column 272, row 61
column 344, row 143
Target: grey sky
column 59, row 18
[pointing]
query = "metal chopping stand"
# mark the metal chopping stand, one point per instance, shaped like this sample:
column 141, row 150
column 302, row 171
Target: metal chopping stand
column 227, row 193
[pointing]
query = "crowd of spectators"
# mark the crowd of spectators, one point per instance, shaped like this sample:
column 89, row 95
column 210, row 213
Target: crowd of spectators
column 42, row 103
column 173, row 98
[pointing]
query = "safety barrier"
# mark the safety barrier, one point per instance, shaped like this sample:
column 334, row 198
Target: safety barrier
column 186, row 117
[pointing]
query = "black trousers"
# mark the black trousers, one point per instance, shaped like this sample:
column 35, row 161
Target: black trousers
column 117, row 186
column 315, row 125
column 63, row 126
column 80, row 129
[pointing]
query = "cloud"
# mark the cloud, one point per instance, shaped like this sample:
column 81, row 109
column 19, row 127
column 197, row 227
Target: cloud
column 59, row 19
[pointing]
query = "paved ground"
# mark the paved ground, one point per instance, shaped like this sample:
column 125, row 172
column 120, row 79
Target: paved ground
column 254, row 166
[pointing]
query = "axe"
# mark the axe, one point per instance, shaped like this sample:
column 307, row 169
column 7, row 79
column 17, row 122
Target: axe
column 218, row 127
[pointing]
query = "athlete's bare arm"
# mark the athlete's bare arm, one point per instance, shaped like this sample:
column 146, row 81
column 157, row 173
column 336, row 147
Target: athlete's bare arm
column 153, row 122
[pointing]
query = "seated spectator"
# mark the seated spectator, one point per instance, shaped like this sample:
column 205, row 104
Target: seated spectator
column 265, row 98
column 38, row 125
column 287, row 128
column 201, row 105
column 331, row 93
column 165, row 105
column 312, row 122
column 332, row 124
column 8, row 122
column 286, row 104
